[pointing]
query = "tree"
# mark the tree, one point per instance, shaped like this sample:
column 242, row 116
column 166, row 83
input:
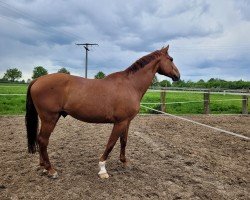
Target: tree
column 165, row 83
column 100, row 75
column 155, row 81
column 39, row 71
column 180, row 83
column 12, row 74
column 190, row 83
column 63, row 70
column 200, row 84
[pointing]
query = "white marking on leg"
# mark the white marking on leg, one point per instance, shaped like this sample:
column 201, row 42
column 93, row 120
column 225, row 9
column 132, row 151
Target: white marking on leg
column 54, row 175
column 103, row 172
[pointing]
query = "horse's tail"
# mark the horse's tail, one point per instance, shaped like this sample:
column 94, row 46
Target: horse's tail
column 31, row 122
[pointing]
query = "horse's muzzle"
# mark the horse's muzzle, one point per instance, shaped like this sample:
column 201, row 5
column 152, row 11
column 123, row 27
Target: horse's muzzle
column 176, row 78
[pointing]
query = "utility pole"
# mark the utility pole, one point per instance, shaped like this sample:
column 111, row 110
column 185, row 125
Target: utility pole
column 86, row 47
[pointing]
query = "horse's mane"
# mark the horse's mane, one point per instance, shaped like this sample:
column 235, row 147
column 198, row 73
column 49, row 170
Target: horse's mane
column 143, row 61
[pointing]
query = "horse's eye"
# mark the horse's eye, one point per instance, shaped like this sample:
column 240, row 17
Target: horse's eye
column 171, row 59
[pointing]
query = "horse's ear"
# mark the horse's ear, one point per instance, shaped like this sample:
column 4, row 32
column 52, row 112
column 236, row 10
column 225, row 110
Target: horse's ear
column 165, row 49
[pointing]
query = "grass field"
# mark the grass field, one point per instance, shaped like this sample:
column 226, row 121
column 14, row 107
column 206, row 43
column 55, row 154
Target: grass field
column 15, row 104
column 12, row 104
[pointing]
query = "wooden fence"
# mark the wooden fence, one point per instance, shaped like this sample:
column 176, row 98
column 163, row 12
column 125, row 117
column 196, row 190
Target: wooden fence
column 206, row 105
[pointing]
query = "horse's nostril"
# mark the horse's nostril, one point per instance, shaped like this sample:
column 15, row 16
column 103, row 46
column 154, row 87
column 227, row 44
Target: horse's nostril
column 176, row 78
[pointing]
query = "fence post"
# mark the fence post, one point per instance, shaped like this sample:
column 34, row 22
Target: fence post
column 244, row 104
column 206, row 103
column 163, row 101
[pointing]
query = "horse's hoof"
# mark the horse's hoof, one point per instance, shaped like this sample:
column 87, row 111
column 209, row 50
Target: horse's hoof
column 45, row 171
column 104, row 175
column 126, row 164
column 53, row 176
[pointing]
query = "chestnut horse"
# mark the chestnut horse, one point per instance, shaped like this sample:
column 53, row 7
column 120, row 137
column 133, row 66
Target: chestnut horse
column 114, row 99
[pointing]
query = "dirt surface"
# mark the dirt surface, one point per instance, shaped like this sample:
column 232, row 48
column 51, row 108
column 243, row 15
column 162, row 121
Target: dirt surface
column 170, row 159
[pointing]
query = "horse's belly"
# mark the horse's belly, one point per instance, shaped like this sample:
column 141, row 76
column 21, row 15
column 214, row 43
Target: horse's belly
column 92, row 117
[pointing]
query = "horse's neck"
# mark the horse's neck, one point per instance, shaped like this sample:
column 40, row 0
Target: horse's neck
column 142, row 79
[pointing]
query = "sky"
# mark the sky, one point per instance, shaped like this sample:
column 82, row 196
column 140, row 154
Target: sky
column 207, row 38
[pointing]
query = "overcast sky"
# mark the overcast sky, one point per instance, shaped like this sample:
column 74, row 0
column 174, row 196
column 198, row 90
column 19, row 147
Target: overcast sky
column 207, row 38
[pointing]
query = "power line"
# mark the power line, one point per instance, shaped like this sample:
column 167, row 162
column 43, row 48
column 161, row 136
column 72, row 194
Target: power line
column 86, row 47
column 34, row 19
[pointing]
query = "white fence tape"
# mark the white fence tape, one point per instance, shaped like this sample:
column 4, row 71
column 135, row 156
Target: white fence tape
column 185, row 91
column 198, row 123
column 182, row 102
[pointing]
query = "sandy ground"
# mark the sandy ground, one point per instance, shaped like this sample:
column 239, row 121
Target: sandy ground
column 170, row 159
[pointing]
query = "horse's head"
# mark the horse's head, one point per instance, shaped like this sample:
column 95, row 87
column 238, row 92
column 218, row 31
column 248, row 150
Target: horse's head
column 167, row 66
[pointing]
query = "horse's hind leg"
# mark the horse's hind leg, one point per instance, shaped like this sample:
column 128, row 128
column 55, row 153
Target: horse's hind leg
column 118, row 130
column 47, row 126
column 123, row 141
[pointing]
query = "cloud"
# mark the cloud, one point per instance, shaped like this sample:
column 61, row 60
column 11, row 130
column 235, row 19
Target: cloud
column 207, row 38
column 243, row 7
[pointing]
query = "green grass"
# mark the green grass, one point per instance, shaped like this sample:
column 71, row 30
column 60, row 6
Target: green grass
column 13, row 105
column 6, row 88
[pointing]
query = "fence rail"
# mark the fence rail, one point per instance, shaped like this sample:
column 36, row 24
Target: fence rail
column 202, row 89
column 12, row 94
column 202, row 92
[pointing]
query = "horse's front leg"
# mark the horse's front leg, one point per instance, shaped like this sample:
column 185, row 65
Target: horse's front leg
column 118, row 130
